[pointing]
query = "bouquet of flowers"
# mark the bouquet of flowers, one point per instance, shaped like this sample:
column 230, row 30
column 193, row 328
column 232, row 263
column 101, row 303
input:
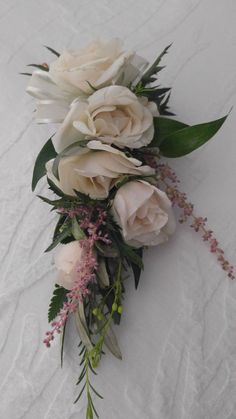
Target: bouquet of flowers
column 114, row 192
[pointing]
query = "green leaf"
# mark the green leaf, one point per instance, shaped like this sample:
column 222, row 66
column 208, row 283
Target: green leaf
column 160, row 96
column 81, row 326
column 57, row 203
column 60, row 222
column 107, row 251
column 102, row 274
column 111, row 343
column 137, row 269
column 188, row 139
column 53, row 51
column 54, row 188
column 80, row 394
column 93, row 407
column 56, row 303
column 132, row 255
column 47, row 153
column 62, row 343
column 154, row 69
column 95, row 391
column 66, row 231
column 164, row 127
column 77, row 230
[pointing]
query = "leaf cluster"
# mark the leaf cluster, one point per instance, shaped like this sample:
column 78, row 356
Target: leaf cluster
column 157, row 94
column 85, row 383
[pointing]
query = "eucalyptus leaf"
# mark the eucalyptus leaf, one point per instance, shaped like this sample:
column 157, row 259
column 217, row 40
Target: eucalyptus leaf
column 76, row 230
column 111, row 343
column 103, row 277
column 62, row 343
column 47, row 153
column 188, row 139
column 81, row 327
column 107, row 251
column 82, row 315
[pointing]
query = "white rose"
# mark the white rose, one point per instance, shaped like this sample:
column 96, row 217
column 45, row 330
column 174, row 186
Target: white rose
column 66, row 261
column 114, row 115
column 94, row 170
column 144, row 214
column 99, row 64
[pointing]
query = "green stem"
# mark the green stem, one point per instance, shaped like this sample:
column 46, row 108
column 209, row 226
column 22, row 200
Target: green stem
column 95, row 353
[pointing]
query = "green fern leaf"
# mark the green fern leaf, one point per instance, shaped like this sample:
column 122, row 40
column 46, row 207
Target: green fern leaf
column 56, row 303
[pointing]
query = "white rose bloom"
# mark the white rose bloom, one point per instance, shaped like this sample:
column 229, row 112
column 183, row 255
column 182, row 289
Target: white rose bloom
column 144, row 214
column 66, row 260
column 95, row 170
column 99, row 64
column 113, row 114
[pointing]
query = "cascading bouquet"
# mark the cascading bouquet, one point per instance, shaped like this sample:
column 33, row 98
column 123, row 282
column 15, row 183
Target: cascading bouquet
column 114, row 193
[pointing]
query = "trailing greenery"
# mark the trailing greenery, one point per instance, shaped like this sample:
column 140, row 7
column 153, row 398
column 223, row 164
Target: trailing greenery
column 85, row 383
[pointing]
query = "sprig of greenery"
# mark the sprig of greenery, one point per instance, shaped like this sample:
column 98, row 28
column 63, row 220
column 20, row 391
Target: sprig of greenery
column 87, row 386
column 157, row 94
column 151, row 74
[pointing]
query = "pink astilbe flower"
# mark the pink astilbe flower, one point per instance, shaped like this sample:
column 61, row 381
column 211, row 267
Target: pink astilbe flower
column 86, row 269
column 178, row 198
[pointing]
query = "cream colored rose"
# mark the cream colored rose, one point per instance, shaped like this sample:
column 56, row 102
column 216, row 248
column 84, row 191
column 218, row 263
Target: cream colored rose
column 67, row 260
column 99, row 64
column 144, row 214
column 114, row 115
column 94, row 170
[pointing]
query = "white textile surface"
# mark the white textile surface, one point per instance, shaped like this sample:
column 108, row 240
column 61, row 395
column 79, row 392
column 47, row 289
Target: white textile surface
column 178, row 334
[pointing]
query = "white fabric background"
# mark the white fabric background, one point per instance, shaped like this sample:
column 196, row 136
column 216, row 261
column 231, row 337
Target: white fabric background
column 178, row 334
